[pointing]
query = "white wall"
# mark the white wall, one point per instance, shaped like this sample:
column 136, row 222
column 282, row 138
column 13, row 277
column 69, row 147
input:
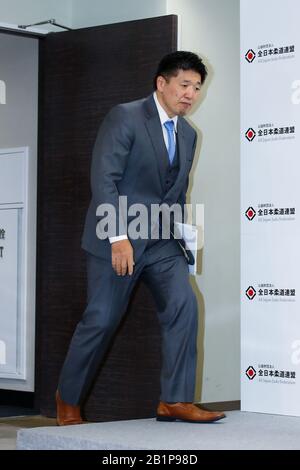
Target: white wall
column 96, row 12
column 32, row 11
column 78, row 13
column 211, row 29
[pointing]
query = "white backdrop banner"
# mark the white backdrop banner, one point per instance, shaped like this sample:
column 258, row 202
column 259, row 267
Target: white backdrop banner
column 270, row 194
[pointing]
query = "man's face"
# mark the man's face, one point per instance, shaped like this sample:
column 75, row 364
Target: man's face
column 178, row 94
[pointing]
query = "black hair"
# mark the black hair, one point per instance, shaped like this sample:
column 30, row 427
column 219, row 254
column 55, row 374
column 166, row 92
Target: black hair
column 170, row 65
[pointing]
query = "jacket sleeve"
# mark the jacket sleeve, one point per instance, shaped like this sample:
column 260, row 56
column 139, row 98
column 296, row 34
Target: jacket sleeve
column 110, row 157
column 182, row 196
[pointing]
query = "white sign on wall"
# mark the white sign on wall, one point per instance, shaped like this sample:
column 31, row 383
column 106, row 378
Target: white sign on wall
column 16, row 269
column 270, row 196
column 10, row 267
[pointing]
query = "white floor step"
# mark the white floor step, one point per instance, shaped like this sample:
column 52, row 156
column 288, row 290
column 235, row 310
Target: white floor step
column 238, row 430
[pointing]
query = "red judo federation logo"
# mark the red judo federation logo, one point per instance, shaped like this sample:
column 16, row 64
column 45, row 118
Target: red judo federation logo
column 250, row 134
column 250, row 56
column 250, row 213
column 250, row 293
column 251, row 373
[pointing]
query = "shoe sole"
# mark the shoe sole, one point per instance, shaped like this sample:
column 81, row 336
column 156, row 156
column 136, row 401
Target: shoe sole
column 68, row 423
column 171, row 419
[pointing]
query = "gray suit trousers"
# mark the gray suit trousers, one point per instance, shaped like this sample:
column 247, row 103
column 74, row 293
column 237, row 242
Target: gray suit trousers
column 165, row 271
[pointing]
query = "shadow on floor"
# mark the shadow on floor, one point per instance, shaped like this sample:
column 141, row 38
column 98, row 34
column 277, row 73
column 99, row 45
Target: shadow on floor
column 6, row 411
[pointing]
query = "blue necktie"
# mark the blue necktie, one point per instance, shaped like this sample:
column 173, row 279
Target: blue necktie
column 169, row 125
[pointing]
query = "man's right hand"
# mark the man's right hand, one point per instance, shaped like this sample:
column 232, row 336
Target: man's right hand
column 122, row 257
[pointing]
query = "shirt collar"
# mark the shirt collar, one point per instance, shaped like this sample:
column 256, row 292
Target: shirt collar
column 162, row 113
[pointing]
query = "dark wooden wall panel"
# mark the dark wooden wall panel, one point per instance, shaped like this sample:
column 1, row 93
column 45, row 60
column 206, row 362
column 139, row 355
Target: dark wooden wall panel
column 83, row 74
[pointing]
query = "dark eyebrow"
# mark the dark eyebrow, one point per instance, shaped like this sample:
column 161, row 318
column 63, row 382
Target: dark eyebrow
column 189, row 81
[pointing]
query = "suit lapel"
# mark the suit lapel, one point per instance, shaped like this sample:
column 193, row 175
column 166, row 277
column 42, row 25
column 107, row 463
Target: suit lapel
column 181, row 148
column 154, row 129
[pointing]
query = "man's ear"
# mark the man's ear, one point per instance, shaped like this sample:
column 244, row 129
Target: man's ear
column 160, row 83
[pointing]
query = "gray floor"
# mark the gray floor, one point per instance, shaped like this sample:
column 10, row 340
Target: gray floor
column 238, row 431
column 9, row 426
column 7, row 437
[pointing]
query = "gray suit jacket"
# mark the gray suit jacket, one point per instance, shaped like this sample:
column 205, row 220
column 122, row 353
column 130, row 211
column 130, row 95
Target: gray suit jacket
column 129, row 159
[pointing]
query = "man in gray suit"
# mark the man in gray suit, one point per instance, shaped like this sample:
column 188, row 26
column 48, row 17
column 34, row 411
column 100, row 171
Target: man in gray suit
column 143, row 154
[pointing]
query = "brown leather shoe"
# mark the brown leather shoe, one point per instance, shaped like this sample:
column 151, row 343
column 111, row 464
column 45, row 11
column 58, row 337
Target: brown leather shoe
column 67, row 414
column 186, row 412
